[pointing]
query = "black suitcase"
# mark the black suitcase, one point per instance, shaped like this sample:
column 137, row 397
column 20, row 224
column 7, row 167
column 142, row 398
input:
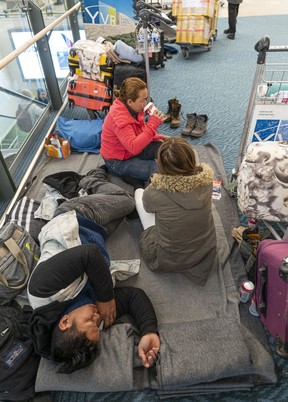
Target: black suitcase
column 125, row 70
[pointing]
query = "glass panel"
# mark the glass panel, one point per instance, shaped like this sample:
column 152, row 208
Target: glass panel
column 23, row 90
column 18, row 87
column 20, row 109
column 61, row 39
column 23, row 86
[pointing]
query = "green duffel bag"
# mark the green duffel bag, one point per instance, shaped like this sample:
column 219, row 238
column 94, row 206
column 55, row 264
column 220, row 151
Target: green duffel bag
column 19, row 254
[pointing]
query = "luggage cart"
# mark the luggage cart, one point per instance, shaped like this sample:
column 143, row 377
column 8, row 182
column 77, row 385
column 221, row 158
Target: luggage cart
column 196, row 25
column 269, row 95
column 146, row 12
column 267, row 114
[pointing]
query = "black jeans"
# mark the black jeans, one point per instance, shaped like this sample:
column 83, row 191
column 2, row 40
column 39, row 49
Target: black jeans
column 232, row 16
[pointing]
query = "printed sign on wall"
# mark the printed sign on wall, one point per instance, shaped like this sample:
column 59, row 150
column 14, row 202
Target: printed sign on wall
column 269, row 123
column 107, row 12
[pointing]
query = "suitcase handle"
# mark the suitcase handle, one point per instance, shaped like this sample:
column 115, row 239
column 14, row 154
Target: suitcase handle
column 262, row 305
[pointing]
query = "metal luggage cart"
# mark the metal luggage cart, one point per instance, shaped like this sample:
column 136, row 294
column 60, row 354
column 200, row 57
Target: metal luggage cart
column 195, row 30
column 146, row 13
column 267, row 112
column 269, row 97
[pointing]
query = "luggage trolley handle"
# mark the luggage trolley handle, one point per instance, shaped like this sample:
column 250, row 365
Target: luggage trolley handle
column 145, row 14
column 262, row 47
column 262, row 302
column 140, row 5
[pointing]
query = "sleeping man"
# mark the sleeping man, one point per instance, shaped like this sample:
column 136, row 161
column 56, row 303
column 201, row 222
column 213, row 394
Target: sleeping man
column 72, row 296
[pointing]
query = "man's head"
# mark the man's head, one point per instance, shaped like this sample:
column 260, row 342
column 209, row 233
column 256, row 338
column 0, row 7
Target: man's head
column 27, row 93
column 75, row 337
column 42, row 94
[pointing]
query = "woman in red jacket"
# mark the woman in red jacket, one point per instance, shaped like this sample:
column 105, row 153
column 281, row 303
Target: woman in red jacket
column 128, row 144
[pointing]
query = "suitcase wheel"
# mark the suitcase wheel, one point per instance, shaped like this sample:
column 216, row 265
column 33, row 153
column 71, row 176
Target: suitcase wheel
column 185, row 52
column 283, row 272
column 72, row 53
column 108, row 81
column 72, row 85
column 71, row 103
column 210, row 44
column 281, row 348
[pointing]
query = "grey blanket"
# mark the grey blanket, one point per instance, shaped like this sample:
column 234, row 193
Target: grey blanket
column 113, row 370
column 209, row 319
column 201, row 351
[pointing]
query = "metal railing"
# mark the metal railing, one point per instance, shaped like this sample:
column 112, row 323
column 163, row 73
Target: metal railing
column 8, row 188
column 11, row 56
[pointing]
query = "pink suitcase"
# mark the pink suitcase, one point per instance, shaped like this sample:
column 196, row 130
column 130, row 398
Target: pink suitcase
column 272, row 291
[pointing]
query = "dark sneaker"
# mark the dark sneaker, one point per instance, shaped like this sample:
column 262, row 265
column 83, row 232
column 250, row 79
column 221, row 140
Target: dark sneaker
column 133, row 215
column 201, row 126
column 136, row 183
column 227, row 31
column 190, row 124
column 231, row 36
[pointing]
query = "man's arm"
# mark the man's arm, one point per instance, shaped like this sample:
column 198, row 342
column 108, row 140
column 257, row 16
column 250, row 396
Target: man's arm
column 135, row 302
column 59, row 271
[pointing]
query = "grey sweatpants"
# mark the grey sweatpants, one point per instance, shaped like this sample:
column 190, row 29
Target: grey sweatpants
column 106, row 203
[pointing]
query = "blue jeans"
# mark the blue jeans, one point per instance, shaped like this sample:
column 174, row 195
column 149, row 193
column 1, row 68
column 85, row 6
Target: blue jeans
column 140, row 167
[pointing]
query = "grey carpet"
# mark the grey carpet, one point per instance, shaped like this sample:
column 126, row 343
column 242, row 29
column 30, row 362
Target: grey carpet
column 216, row 83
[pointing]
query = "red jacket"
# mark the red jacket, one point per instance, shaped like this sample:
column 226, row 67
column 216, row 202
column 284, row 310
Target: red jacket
column 124, row 136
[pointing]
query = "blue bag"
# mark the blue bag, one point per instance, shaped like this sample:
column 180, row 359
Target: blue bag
column 84, row 135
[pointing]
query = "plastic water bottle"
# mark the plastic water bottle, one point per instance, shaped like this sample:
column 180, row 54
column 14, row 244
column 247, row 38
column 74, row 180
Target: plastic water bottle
column 140, row 41
column 54, row 141
column 156, row 46
column 253, row 308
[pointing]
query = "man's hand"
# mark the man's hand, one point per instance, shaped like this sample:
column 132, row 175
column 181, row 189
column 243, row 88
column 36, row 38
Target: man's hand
column 107, row 311
column 148, row 349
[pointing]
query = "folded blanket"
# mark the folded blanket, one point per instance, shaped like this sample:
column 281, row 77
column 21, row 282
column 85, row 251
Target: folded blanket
column 111, row 371
column 194, row 352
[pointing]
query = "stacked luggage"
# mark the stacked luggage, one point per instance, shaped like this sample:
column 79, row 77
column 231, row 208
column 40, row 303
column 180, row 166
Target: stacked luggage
column 124, row 70
column 96, row 68
column 89, row 94
column 91, row 84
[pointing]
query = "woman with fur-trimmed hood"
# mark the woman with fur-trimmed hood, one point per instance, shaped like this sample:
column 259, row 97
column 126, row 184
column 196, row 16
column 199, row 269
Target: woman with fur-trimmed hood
column 181, row 236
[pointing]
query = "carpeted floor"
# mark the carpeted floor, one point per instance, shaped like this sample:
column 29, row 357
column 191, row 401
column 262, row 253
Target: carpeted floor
column 217, row 83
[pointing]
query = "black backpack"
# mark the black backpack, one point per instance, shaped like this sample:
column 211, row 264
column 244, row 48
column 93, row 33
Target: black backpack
column 18, row 359
column 23, row 118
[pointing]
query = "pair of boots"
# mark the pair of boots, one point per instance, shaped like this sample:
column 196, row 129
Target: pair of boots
column 196, row 125
column 173, row 113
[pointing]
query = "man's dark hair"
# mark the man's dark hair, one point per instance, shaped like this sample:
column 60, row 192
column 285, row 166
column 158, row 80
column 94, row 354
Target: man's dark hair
column 71, row 349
